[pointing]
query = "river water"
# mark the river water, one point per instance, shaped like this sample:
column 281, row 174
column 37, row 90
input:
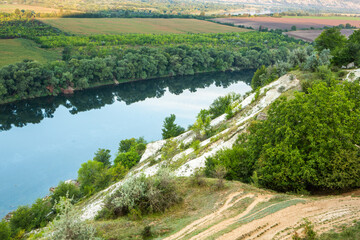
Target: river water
column 44, row 141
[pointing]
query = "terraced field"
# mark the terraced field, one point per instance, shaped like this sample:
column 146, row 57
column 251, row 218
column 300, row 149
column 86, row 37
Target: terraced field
column 88, row 26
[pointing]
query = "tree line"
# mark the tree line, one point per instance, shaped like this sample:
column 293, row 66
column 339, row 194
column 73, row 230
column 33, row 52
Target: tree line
column 29, row 79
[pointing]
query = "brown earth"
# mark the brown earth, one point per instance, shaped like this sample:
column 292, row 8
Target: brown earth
column 310, row 35
column 286, row 23
column 325, row 213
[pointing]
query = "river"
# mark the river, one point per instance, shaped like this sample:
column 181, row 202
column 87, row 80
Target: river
column 45, row 140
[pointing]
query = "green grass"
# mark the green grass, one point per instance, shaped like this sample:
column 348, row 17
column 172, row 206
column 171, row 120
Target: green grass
column 346, row 233
column 16, row 50
column 89, row 26
column 326, row 17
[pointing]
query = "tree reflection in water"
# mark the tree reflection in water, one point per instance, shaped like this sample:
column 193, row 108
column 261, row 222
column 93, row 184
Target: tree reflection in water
column 21, row 113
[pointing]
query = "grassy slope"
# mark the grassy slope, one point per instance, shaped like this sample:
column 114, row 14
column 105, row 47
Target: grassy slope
column 16, row 50
column 198, row 202
column 138, row 25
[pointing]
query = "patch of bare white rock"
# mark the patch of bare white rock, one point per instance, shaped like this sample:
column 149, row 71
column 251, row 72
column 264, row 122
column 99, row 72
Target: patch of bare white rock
column 249, row 108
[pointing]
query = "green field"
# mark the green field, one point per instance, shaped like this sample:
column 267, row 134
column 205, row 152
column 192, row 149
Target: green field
column 138, row 25
column 16, row 50
column 10, row 8
column 327, row 17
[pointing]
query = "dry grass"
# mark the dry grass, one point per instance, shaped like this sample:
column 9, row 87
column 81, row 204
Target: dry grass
column 10, row 8
column 90, row 26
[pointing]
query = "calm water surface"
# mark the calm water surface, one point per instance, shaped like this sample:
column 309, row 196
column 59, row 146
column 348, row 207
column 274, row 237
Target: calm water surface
column 44, row 141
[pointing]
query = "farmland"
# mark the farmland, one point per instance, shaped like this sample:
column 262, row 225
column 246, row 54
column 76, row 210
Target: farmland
column 310, row 35
column 16, row 50
column 287, row 23
column 10, row 8
column 90, row 26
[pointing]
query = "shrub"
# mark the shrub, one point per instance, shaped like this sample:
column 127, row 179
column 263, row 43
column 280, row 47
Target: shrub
column 128, row 159
column 21, row 219
column 202, row 126
column 132, row 144
column 41, row 212
column 146, row 233
column 170, row 129
column 68, row 224
column 195, row 145
column 236, row 162
column 5, row 231
column 197, row 178
column 144, row 195
column 93, row 176
column 103, row 156
column 66, row 189
column 308, row 143
column 26, row 218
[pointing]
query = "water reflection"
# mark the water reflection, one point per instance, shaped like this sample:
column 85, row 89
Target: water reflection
column 33, row 111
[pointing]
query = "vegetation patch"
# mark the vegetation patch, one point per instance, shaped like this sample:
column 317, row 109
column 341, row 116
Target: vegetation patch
column 17, row 50
column 88, row 26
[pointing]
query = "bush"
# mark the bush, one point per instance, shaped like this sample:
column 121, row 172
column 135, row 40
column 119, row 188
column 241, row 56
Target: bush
column 66, row 189
column 103, row 156
column 26, row 218
column 128, row 159
column 170, row 129
column 144, row 195
column 5, row 231
column 68, row 224
column 93, row 176
column 308, row 143
column 236, row 162
column 21, row 219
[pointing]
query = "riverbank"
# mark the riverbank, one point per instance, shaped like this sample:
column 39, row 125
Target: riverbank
column 70, row 90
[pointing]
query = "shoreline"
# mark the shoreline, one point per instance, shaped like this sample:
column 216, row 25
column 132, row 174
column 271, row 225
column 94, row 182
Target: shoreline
column 113, row 83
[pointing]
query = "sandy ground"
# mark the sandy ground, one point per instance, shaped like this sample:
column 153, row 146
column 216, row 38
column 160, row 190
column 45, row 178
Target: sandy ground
column 324, row 213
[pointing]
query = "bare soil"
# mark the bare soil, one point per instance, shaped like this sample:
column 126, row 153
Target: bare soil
column 325, row 213
column 310, row 35
column 286, row 23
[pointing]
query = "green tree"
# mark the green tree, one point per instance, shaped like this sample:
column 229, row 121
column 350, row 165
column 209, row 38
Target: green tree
column 103, row 156
column 21, row 220
column 331, row 39
column 128, row 159
column 92, row 177
column 66, row 190
column 170, row 129
column 309, row 142
column 5, row 231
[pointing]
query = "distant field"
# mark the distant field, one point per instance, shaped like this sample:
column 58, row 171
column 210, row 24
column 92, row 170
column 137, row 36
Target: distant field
column 326, row 17
column 16, row 50
column 10, row 8
column 287, row 23
column 310, row 35
column 89, row 26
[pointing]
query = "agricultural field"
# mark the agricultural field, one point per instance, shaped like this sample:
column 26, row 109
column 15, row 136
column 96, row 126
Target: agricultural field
column 16, row 50
column 10, row 8
column 310, row 35
column 287, row 23
column 89, row 26
column 347, row 18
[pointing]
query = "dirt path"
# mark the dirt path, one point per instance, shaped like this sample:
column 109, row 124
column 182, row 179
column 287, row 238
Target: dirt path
column 324, row 214
column 208, row 219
